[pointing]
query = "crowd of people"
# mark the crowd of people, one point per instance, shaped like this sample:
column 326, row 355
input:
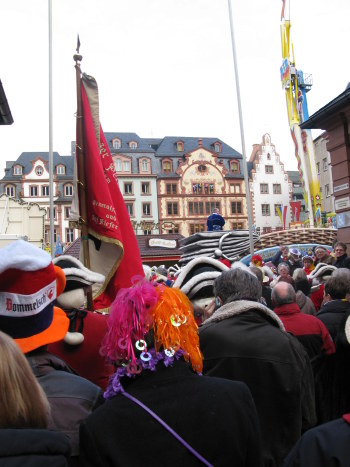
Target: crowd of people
column 213, row 363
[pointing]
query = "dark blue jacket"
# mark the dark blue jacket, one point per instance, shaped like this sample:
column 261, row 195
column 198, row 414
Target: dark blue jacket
column 215, row 222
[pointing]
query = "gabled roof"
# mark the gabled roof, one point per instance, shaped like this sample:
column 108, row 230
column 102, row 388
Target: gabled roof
column 26, row 158
column 318, row 119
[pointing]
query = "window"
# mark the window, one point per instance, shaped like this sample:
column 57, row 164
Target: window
column 265, row 209
column 118, row 165
column 68, row 190
column 194, row 228
column 117, row 144
column 126, row 166
column 180, row 146
column 166, row 166
column 145, row 188
column 196, row 207
column 147, row 232
column 144, row 165
column 127, row 188
column 48, row 213
column 172, row 209
column 39, row 170
column 268, row 158
column 269, row 169
column 10, row 190
column 67, row 212
column 325, row 164
column 264, row 188
column 69, row 235
column 171, row 188
column 318, row 168
column 60, row 170
column 45, row 190
column 175, row 229
column 276, row 188
column 237, row 225
column 234, row 167
column 203, row 188
column 326, row 189
column 146, row 209
column 209, row 206
column 130, row 208
column 33, row 190
column 17, row 170
column 132, row 145
column 202, row 168
column 217, row 147
column 236, row 207
column 235, row 188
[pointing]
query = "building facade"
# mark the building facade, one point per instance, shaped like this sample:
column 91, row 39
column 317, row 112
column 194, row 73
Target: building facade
column 27, row 179
column 324, row 173
column 270, row 187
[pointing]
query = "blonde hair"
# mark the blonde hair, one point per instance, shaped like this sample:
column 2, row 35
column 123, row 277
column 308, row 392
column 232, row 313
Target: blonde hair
column 22, row 400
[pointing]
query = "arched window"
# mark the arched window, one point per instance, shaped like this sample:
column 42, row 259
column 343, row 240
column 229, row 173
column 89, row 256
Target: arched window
column 117, row 144
column 39, row 170
column 180, row 146
column 133, row 145
column 17, row 170
column 217, row 147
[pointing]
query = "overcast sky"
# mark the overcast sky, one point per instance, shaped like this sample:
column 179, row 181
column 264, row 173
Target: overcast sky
column 165, row 67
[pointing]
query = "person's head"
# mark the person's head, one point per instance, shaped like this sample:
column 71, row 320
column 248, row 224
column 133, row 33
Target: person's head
column 285, row 250
column 29, row 284
column 321, row 253
column 237, row 284
column 22, row 400
column 307, row 262
column 216, row 210
column 337, row 286
column 283, row 294
column 339, row 249
column 344, row 273
column 258, row 272
column 299, row 274
column 294, row 254
column 148, row 323
column 283, row 270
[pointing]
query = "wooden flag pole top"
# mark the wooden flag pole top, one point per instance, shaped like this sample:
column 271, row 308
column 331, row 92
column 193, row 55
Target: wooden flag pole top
column 81, row 173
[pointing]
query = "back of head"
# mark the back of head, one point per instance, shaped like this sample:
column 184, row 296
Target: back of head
column 337, row 286
column 22, row 400
column 237, row 284
column 299, row 274
column 283, row 294
column 149, row 323
column 259, row 274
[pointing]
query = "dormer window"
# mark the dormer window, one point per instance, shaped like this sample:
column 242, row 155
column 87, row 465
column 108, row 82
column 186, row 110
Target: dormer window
column 60, row 170
column 17, row 170
column 166, row 166
column 39, row 170
column 68, row 190
column 234, row 167
column 117, row 144
column 133, row 145
column 180, row 146
column 144, row 165
column 217, row 147
column 202, row 168
column 10, row 190
column 118, row 165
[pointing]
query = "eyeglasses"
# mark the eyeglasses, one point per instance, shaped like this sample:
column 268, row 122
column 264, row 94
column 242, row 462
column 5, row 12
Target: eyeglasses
column 339, row 249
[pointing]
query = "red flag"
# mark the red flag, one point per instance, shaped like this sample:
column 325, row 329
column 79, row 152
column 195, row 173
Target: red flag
column 284, row 216
column 296, row 207
column 114, row 252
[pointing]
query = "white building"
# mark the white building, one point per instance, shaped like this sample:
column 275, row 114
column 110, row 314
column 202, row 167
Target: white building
column 269, row 186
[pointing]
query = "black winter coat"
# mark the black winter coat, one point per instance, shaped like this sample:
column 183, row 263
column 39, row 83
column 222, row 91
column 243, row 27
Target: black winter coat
column 71, row 397
column 342, row 262
column 246, row 341
column 33, row 448
column 216, row 417
column 332, row 314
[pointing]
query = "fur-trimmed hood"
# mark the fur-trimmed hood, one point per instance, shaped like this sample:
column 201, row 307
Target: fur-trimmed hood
column 240, row 306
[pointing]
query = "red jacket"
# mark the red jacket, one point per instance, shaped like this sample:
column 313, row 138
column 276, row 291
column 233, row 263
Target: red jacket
column 309, row 330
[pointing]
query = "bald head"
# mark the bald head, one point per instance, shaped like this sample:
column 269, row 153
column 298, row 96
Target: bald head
column 282, row 294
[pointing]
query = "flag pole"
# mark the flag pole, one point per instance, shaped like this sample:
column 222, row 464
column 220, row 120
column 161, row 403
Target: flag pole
column 250, row 221
column 81, row 185
column 51, row 209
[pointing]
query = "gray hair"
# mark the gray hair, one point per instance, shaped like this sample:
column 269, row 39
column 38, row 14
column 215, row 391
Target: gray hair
column 283, row 293
column 237, row 284
column 283, row 265
column 299, row 274
column 338, row 285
